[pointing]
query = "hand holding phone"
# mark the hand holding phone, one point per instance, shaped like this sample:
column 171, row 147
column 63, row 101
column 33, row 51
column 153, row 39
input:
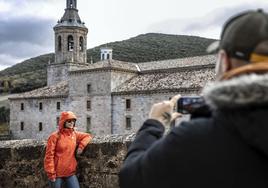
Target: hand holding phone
column 163, row 111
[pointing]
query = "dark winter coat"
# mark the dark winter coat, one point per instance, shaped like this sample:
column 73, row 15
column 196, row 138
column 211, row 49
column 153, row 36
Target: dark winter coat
column 228, row 149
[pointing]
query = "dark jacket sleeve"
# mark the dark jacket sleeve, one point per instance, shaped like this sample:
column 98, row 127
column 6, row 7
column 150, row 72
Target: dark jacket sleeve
column 151, row 131
column 156, row 161
column 131, row 172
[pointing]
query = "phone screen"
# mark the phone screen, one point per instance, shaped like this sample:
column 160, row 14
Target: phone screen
column 186, row 105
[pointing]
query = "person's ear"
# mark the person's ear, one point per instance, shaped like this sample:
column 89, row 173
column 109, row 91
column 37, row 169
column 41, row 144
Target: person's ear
column 223, row 64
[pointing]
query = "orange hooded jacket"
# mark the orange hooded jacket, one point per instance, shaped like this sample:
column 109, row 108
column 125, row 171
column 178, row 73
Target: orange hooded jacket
column 60, row 151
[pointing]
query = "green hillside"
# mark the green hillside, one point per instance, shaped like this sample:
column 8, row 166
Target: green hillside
column 31, row 74
column 153, row 46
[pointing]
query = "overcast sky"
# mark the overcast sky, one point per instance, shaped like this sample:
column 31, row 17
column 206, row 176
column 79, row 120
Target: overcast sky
column 26, row 25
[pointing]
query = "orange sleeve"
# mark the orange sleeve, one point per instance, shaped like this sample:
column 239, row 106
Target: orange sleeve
column 49, row 164
column 83, row 139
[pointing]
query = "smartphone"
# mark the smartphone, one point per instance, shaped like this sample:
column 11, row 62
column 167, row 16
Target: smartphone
column 188, row 104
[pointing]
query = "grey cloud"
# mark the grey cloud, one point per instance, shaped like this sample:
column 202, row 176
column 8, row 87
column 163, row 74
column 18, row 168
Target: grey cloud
column 27, row 35
column 18, row 3
column 24, row 37
column 6, row 60
column 22, row 49
column 26, row 29
column 214, row 19
column 220, row 15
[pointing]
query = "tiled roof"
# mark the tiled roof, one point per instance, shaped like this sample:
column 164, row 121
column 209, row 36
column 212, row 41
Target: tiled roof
column 168, row 80
column 59, row 90
column 153, row 65
column 70, row 19
column 110, row 64
column 175, row 63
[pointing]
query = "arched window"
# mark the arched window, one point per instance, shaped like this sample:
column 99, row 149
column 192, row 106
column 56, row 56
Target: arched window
column 70, row 43
column 102, row 57
column 71, row 3
column 59, row 43
column 81, row 44
column 108, row 56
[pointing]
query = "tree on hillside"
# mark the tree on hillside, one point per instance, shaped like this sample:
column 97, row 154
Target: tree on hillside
column 6, row 86
column 4, row 115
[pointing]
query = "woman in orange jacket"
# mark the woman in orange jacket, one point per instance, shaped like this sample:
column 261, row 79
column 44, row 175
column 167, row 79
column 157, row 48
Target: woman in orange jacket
column 60, row 163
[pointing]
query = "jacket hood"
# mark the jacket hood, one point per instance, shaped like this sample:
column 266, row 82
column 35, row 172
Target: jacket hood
column 242, row 104
column 64, row 117
column 237, row 92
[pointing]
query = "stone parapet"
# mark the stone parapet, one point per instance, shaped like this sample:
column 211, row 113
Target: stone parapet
column 5, row 137
column 21, row 162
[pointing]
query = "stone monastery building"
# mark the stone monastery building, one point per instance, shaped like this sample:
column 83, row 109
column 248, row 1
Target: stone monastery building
column 109, row 96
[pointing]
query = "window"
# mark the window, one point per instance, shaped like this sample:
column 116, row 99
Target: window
column 59, row 43
column 108, row 56
column 128, row 123
column 71, row 3
column 40, row 106
column 70, row 43
column 57, row 121
column 21, row 106
column 81, row 44
column 58, row 105
column 22, row 126
column 40, row 126
column 102, row 57
column 88, row 124
column 128, row 104
column 88, row 105
column 88, row 88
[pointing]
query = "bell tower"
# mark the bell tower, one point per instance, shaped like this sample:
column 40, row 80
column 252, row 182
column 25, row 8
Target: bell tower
column 71, row 4
column 70, row 36
column 70, row 44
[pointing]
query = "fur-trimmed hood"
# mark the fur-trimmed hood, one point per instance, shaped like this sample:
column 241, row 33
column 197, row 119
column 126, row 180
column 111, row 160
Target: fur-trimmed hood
column 237, row 92
column 242, row 104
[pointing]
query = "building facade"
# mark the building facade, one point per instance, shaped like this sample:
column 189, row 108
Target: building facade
column 109, row 96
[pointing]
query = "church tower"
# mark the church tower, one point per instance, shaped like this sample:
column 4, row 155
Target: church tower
column 70, row 44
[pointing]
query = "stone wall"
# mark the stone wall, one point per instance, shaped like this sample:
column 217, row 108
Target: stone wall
column 57, row 73
column 21, row 163
column 31, row 116
column 139, row 110
column 100, row 97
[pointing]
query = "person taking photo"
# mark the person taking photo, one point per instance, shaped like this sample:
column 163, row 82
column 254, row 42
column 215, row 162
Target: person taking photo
column 230, row 147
